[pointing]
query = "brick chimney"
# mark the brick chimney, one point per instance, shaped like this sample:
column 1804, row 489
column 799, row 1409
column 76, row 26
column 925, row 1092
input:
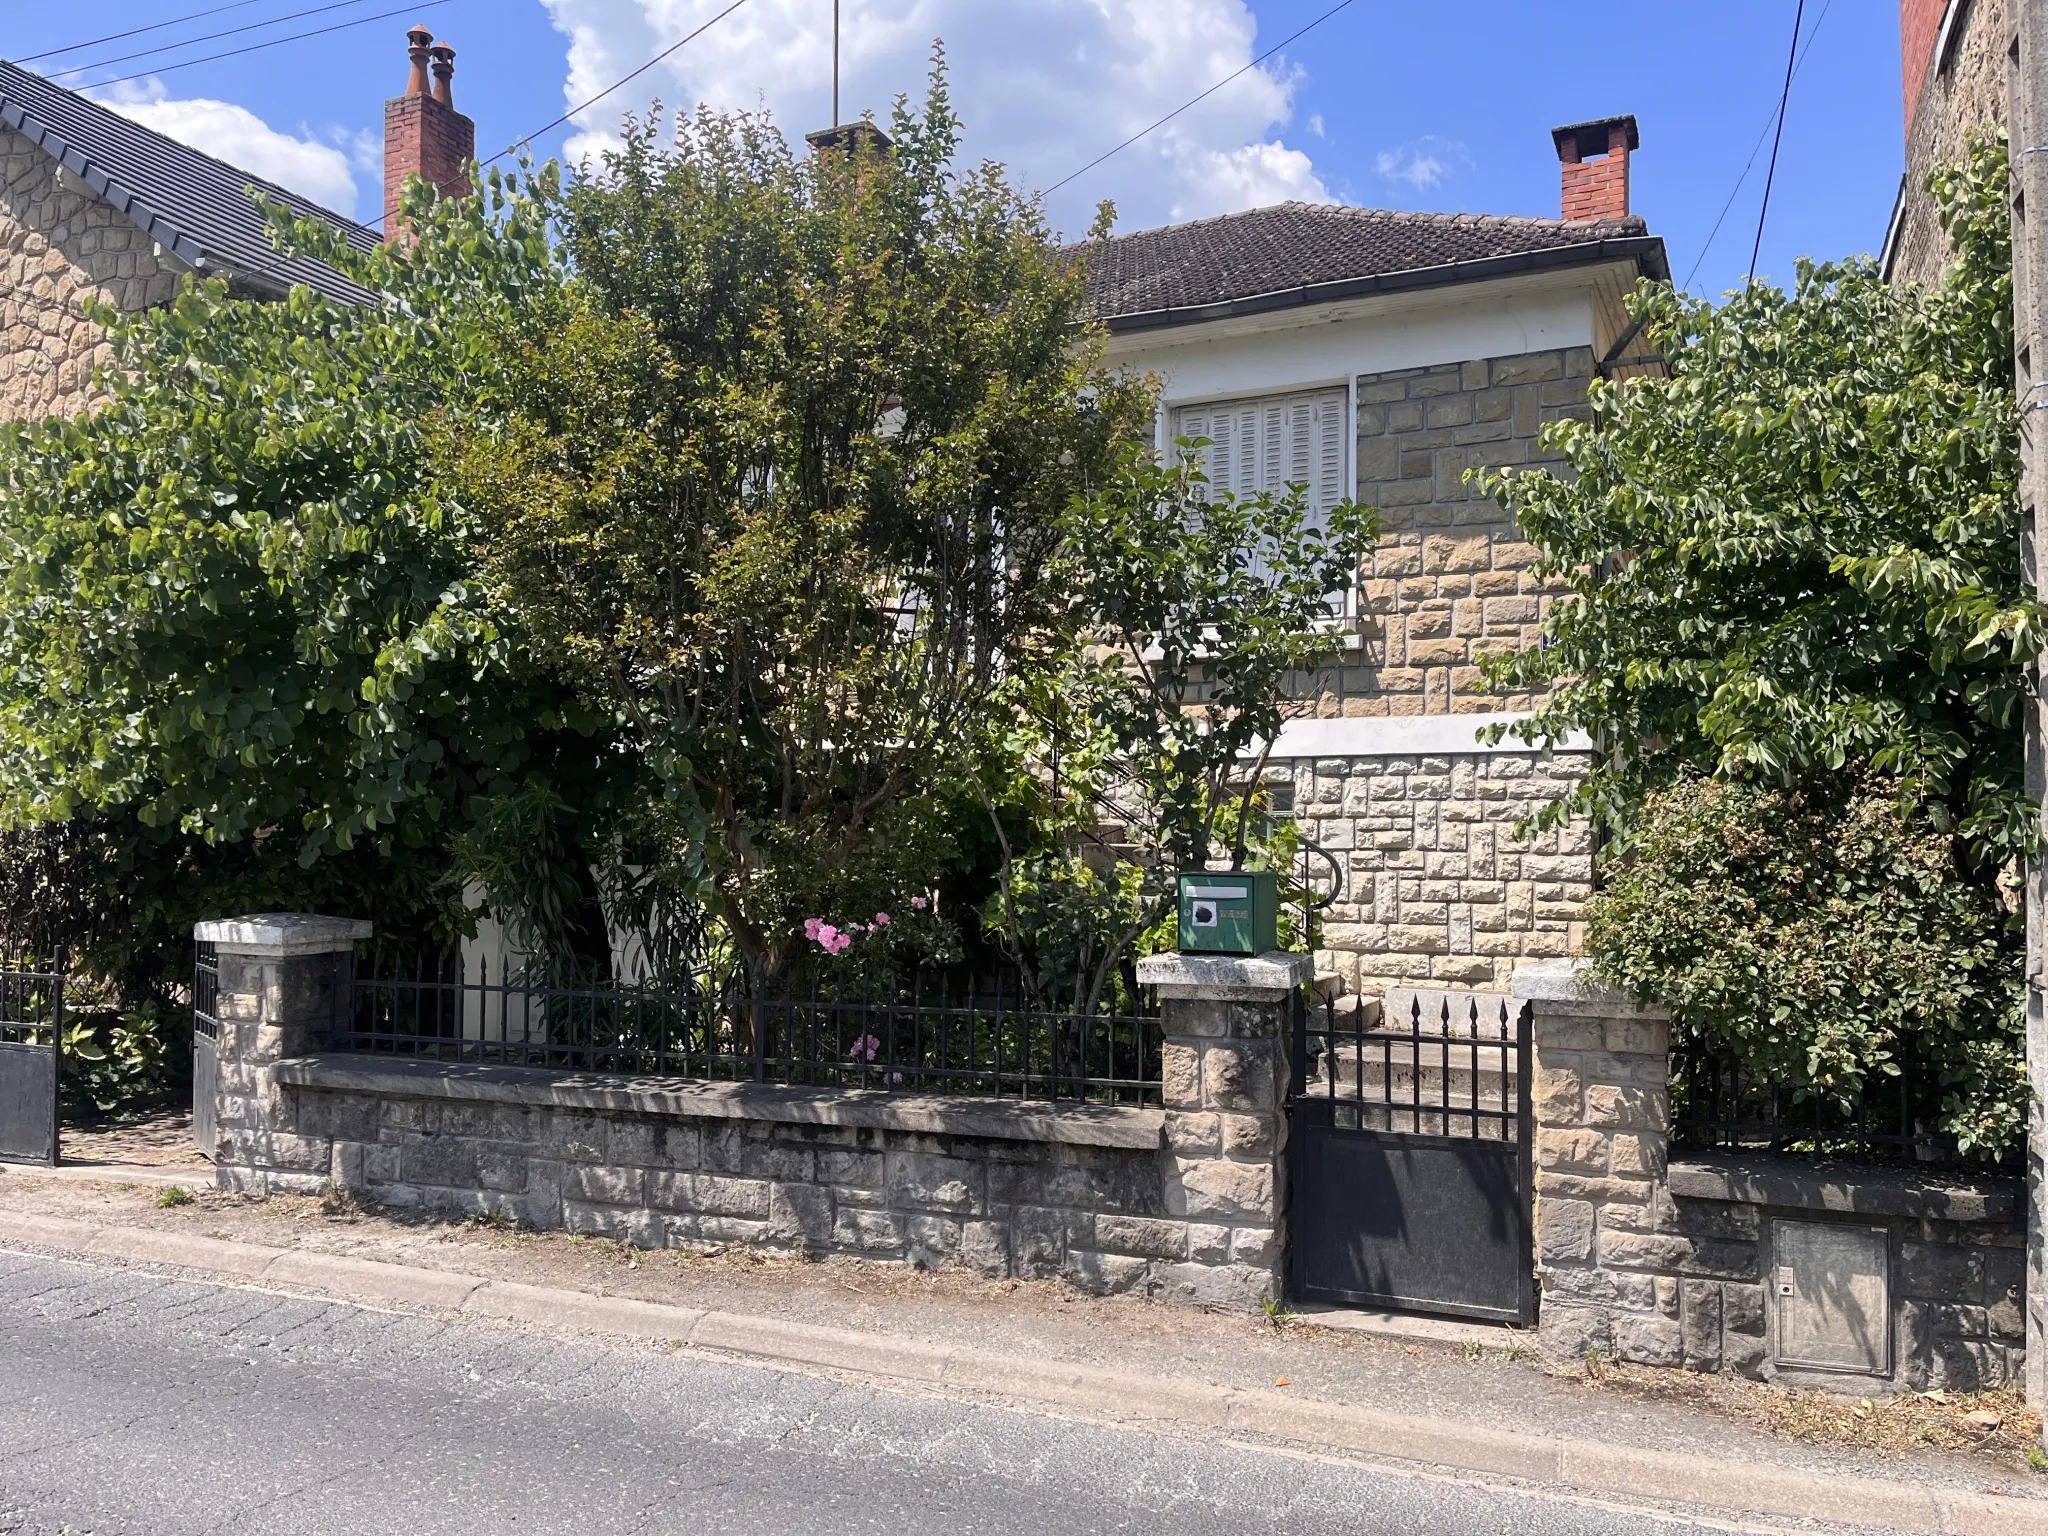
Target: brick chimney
column 423, row 133
column 1595, row 157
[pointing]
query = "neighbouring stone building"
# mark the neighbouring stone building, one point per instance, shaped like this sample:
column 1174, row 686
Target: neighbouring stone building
column 1383, row 355
column 1956, row 67
column 94, row 206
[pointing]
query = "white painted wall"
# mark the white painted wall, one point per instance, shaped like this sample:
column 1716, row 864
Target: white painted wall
column 1332, row 343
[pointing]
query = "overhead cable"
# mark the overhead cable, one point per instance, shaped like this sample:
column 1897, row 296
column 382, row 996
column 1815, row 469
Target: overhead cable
column 155, row 26
column 339, row 26
column 1196, row 100
column 1771, row 175
column 204, row 37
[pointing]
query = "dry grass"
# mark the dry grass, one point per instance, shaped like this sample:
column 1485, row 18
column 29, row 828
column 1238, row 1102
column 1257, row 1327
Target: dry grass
column 1998, row 1426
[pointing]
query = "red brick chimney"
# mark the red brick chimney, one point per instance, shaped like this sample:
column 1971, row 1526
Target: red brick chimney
column 1595, row 157
column 423, row 133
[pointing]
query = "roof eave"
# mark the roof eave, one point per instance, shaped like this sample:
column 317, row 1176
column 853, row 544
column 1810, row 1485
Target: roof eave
column 129, row 204
column 137, row 209
column 1646, row 251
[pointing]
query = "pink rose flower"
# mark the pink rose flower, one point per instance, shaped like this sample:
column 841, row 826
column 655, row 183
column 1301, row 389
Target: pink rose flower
column 881, row 919
column 811, row 927
column 918, row 902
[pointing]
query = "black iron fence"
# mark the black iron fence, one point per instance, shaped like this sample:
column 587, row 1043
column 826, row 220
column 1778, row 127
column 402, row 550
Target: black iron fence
column 1460, row 1072
column 1717, row 1104
column 925, row 1032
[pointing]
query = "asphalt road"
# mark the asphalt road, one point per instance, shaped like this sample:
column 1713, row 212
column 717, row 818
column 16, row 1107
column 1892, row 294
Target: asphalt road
column 133, row 1403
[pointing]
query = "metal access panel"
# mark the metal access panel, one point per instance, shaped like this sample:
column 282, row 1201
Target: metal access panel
column 1831, row 1297
column 1410, row 1177
column 1230, row 912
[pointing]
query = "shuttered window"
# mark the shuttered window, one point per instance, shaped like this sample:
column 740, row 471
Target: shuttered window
column 1264, row 444
column 1271, row 441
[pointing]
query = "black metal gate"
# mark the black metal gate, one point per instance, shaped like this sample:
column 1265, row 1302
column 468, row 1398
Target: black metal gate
column 1409, row 1159
column 205, row 1049
column 31, row 1055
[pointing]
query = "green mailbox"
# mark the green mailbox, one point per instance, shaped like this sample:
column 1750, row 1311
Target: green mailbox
column 1229, row 911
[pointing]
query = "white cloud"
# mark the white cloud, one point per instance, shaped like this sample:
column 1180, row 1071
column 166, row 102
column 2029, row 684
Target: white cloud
column 1315, row 124
column 1424, row 162
column 1043, row 86
column 237, row 135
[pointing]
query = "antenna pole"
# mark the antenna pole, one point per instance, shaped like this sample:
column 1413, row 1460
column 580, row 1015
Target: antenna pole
column 835, row 63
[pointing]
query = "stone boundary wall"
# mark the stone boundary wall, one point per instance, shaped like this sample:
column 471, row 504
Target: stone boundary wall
column 1671, row 1263
column 1182, row 1201
column 1039, row 1202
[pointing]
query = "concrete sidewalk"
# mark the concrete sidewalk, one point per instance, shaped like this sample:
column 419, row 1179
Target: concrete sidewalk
column 1467, row 1408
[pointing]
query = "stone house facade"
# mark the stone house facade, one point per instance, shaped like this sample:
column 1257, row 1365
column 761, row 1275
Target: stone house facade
column 95, row 207
column 1391, row 354
column 1955, row 63
column 60, row 246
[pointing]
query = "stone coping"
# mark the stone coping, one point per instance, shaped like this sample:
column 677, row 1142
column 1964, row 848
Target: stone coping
column 1226, row 978
column 1571, row 981
column 282, row 934
column 1797, row 1183
column 1085, row 1125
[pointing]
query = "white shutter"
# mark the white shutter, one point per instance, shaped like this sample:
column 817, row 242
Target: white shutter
column 1263, row 444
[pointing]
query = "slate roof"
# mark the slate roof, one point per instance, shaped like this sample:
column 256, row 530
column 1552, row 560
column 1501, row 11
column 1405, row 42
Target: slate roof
column 1298, row 253
column 190, row 203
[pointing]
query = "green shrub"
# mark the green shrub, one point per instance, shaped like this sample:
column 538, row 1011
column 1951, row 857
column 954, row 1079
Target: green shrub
column 1827, row 938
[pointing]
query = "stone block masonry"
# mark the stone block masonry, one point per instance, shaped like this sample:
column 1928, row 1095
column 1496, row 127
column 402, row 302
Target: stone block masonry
column 1438, row 887
column 59, row 245
column 1689, row 1262
column 1451, row 579
column 1181, row 1201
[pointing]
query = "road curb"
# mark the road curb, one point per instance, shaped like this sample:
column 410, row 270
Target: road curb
column 1587, row 1466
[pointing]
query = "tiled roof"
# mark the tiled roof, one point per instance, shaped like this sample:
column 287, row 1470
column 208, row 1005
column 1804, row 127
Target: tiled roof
column 1289, row 247
column 188, row 202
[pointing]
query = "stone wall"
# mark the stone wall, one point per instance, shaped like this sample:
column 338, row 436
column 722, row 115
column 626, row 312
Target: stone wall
column 673, row 1164
column 1450, row 580
column 1952, row 104
column 58, row 245
column 1687, row 1261
column 1438, row 886
column 1183, row 1201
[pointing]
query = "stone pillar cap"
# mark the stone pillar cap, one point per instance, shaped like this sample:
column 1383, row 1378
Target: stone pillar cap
column 1226, row 978
column 1571, row 981
column 282, row 933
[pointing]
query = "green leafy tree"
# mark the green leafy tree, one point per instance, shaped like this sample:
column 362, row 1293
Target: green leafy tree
column 1193, row 617
column 246, row 662
column 1798, row 629
column 780, row 485
column 1798, row 552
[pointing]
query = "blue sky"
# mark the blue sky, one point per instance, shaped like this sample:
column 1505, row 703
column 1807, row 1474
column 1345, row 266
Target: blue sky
column 1428, row 107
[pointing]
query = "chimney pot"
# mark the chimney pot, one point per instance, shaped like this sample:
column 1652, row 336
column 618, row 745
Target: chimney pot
column 444, row 73
column 1595, row 160
column 417, row 48
column 424, row 135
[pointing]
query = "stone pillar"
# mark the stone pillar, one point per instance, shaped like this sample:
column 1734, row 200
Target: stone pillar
column 1603, row 1122
column 1224, row 1073
column 285, row 981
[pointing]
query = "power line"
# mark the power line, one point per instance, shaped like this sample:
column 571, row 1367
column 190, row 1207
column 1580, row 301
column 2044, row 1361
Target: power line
column 1755, row 149
column 624, row 80
column 155, row 26
column 204, row 37
column 1192, row 101
column 1771, row 175
column 340, row 26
